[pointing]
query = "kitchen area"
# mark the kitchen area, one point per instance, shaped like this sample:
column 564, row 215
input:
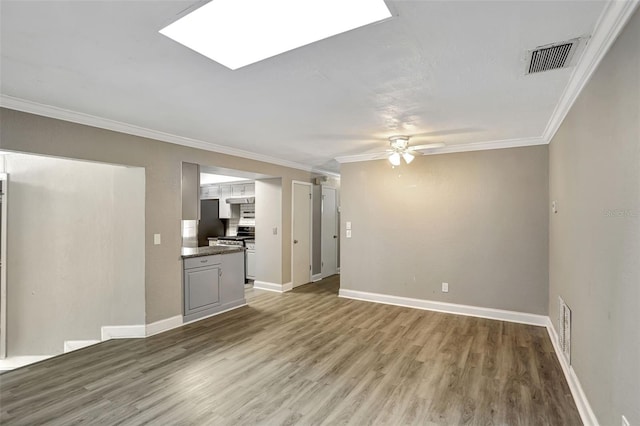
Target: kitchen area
column 218, row 239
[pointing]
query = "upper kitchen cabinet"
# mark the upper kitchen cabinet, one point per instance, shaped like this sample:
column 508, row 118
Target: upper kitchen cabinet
column 190, row 191
column 210, row 192
column 243, row 189
column 224, row 207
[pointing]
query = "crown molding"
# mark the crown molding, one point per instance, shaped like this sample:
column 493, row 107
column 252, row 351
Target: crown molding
column 36, row 108
column 467, row 147
column 612, row 20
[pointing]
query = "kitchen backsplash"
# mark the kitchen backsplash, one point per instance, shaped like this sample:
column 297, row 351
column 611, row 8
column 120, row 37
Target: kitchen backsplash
column 189, row 233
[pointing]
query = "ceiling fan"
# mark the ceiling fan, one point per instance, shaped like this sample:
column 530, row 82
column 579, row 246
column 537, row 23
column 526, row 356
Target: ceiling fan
column 400, row 150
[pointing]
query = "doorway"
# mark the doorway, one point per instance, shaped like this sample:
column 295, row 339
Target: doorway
column 300, row 233
column 329, row 226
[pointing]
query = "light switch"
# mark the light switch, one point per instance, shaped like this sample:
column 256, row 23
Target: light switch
column 348, row 233
column 156, row 239
column 348, row 225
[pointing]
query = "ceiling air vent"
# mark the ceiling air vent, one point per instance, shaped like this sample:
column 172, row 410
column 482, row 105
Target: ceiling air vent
column 552, row 56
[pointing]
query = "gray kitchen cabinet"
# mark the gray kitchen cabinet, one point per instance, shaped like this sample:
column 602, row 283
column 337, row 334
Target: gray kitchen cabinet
column 190, row 191
column 213, row 284
column 249, row 189
column 210, row 192
column 223, row 207
column 251, row 264
column 201, row 284
column 232, row 279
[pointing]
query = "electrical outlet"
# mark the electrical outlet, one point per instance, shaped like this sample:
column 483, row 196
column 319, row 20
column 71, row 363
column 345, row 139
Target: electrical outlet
column 275, row 230
column 348, row 233
column 554, row 207
column 445, row 287
column 625, row 422
column 156, row 239
column 348, row 225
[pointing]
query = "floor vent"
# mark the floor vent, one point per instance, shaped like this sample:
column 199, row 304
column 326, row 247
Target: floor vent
column 552, row 56
column 564, row 333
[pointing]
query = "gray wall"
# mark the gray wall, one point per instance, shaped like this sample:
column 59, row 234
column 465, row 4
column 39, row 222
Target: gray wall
column 269, row 216
column 594, row 252
column 75, row 253
column 475, row 220
column 35, row 134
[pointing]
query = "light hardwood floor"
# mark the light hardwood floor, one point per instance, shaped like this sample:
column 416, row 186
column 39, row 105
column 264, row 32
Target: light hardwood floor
column 304, row 357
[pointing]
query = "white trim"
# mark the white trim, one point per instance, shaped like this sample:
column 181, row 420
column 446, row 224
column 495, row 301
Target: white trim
column 338, row 269
column 584, row 408
column 264, row 285
column 74, row 345
column 451, row 308
column 122, row 332
column 3, row 270
column 287, row 286
column 310, row 185
column 214, row 314
column 131, row 129
column 316, row 277
column 476, row 146
column 20, row 361
column 163, row 325
column 610, row 23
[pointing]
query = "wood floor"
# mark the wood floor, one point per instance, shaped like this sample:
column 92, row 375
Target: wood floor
column 305, row 357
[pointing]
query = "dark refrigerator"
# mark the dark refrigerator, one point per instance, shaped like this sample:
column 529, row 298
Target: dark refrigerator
column 210, row 224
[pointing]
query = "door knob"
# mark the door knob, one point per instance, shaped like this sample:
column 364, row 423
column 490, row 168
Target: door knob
column 335, row 236
column 295, row 241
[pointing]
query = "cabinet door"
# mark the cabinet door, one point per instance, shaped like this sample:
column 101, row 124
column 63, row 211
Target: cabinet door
column 237, row 190
column 249, row 189
column 232, row 280
column 251, row 264
column 224, row 208
column 201, row 288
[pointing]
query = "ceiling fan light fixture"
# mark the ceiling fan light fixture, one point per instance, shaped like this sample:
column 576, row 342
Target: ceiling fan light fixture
column 394, row 159
column 408, row 157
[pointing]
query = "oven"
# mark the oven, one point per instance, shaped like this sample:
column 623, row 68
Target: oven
column 246, row 239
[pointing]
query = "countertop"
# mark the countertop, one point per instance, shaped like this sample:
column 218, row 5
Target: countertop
column 208, row 251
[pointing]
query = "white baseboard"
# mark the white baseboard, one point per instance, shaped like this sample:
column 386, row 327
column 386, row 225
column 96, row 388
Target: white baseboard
column 586, row 412
column 278, row 288
column 163, row 325
column 20, row 361
column 451, row 308
column 74, row 345
column 338, row 269
column 316, row 278
column 214, row 314
column 123, row 332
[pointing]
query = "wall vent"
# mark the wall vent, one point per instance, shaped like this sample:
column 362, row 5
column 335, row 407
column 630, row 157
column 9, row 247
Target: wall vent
column 552, row 56
column 564, row 333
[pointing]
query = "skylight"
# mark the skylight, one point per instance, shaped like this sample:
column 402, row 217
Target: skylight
column 236, row 33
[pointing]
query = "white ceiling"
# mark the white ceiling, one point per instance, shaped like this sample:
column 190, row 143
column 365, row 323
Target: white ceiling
column 451, row 69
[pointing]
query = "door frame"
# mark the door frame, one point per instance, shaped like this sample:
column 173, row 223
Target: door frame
column 4, row 177
column 337, row 227
column 309, row 184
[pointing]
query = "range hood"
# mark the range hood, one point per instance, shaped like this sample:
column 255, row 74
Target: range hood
column 241, row 200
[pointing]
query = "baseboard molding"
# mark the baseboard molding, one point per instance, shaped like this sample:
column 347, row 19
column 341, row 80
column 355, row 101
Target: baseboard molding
column 14, row 362
column 123, row 332
column 163, row 325
column 214, row 314
column 586, row 412
column 450, row 308
column 315, row 278
column 278, row 288
column 74, row 345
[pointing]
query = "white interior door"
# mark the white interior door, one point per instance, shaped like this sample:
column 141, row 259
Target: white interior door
column 329, row 231
column 301, row 234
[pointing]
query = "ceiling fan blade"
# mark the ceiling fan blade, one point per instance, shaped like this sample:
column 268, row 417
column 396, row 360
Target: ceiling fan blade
column 427, row 146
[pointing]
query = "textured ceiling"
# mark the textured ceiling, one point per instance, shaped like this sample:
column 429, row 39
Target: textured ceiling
column 453, row 70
